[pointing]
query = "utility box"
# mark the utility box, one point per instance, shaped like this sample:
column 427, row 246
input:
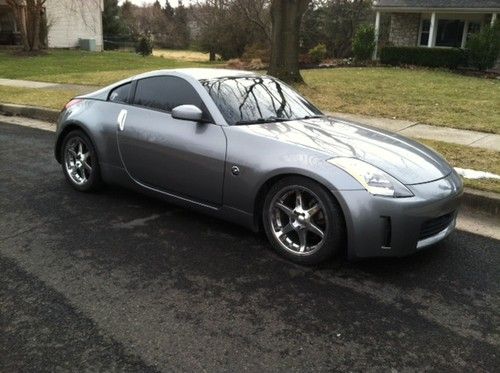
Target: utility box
column 87, row 45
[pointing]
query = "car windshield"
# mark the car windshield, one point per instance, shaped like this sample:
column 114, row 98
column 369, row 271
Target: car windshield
column 249, row 100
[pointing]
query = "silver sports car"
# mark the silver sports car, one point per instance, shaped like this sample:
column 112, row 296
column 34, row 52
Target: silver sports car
column 249, row 149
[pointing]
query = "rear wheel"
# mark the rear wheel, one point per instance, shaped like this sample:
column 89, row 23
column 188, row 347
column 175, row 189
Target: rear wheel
column 303, row 221
column 79, row 162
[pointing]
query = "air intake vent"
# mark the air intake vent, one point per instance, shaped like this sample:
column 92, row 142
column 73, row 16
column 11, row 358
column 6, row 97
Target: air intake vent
column 434, row 226
column 386, row 232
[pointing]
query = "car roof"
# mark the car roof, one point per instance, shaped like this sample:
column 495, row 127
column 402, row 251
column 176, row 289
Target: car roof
column 193, row 73
column 200, row 73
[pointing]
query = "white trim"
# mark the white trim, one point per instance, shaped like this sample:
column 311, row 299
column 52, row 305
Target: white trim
column 377, row 31
column 464, row 34
column 430, row 10
column 432, row 31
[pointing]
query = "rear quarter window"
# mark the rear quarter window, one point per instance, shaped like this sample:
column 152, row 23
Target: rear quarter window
column 120, row 94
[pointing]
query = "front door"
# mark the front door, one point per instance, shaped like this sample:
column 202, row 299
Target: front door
column 179, row 157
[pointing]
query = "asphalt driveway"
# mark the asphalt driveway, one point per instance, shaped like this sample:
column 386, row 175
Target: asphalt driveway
column 118, row 281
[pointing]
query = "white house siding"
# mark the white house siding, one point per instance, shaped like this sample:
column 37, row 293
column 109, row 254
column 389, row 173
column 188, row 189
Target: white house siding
column 70, row 20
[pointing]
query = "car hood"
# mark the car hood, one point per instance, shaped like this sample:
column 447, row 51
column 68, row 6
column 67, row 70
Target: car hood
column 404, row 159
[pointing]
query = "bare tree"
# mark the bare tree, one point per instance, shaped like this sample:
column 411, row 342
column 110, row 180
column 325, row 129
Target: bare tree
column 85, row 10
column 228, row 27
column 257, row 12
column 28, row 15
column 286, row 16
column 211, row 14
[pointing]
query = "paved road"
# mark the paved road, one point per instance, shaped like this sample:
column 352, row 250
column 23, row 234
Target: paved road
column 117, row 281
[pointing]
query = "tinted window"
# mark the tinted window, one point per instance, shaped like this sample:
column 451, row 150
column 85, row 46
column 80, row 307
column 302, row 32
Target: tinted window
column 165, row 93
column 449, row 33
column 247, row 99
column 121, row 93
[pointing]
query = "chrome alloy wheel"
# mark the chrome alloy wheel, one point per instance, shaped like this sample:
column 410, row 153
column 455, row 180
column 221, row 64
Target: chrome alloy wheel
column 298, row 220
column 78, row 161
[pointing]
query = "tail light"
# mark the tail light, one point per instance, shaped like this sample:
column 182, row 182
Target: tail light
column 72, row 103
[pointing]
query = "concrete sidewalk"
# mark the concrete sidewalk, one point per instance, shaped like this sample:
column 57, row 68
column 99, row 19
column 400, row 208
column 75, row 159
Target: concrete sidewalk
column 403, row 127
column 78, row 88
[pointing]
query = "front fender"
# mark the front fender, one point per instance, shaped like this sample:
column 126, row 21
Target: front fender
column 275, row 158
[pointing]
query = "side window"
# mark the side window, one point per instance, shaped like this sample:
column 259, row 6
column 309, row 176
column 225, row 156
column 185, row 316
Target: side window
column 167, row 92
column 120, row 94
column 425, row 29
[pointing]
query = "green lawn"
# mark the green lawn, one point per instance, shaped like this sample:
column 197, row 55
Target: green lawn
column 54, row 99
column 473, row 158
column 427, row 96
column 69, row 66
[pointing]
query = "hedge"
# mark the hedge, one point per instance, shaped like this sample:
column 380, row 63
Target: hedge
column 422, row 56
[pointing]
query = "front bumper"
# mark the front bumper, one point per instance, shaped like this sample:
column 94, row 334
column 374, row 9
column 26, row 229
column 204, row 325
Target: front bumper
column 383, row 227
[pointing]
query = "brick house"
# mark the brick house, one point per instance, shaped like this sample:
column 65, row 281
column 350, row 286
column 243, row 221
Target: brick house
column 434, row 23
column 68, row 21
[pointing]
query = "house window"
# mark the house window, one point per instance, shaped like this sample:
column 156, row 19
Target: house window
column 6, row 22
column 449, row 33
column 424, row 33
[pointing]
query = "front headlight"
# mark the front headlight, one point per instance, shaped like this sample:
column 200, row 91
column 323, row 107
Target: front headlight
column 374, row 180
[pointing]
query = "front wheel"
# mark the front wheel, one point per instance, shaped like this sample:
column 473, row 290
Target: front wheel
column 79, row 162
column 303, row 221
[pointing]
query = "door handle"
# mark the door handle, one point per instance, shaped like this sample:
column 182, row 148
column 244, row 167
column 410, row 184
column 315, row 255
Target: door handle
column 121, row 119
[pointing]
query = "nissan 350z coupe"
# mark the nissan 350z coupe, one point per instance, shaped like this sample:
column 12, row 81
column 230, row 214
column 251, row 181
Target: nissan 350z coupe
column 249, row 149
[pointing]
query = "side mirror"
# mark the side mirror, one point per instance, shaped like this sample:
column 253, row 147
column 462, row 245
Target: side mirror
column 187, row 112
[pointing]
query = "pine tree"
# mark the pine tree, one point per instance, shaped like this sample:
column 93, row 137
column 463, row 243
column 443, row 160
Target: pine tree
column 181, row 20
column 112, row 22
column 168, row 10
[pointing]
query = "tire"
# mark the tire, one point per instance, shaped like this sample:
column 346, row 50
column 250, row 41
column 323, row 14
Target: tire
column 285, row 220
column 80, row 165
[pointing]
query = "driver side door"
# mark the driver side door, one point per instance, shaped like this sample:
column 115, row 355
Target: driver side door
column 180, row 157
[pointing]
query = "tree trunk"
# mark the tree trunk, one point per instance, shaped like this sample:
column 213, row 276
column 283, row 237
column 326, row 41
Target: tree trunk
column 28, row 15
column 286, row 18
column 29, row 22
column 211, row 57
column 37, row 13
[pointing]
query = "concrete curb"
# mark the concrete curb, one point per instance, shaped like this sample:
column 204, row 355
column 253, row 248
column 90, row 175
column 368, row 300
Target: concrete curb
column 484, row 202
column 34, row 112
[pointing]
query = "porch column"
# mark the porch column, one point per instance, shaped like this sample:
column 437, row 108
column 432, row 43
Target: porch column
column 493, row 18
column 432, row 31
column 377, row 31
column 464, row 34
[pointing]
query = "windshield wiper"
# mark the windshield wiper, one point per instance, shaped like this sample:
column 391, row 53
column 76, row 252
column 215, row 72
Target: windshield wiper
column 251, row 121
column 260, row 120
column 313, row 116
